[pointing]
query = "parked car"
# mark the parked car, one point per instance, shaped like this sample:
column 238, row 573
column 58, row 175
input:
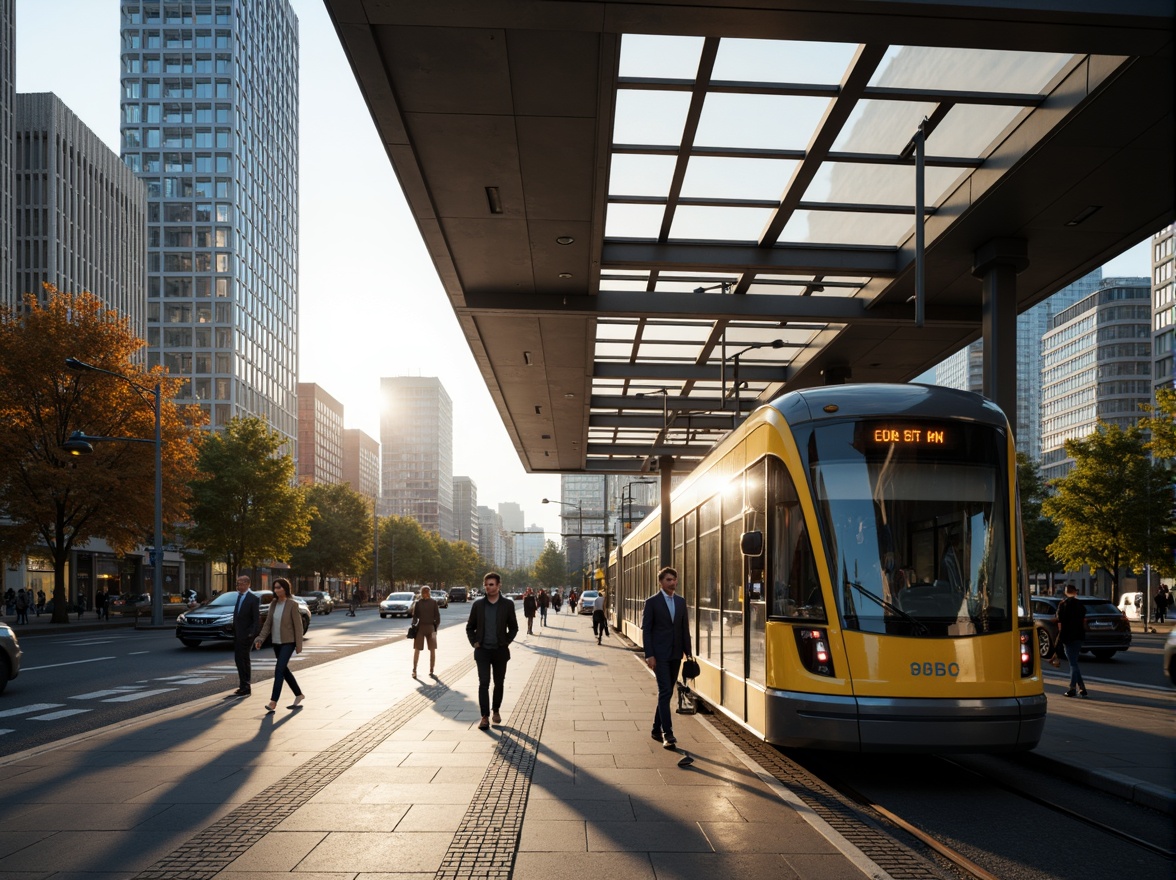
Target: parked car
column 1128, row 605
column 1107, row 628
column 1170, row 656
column 397, row 605
column 441, row 596
column 213, row 621
column 119, row 603
column 587, row 598
column 9, row 656
column 458, row 594
column 319, row 601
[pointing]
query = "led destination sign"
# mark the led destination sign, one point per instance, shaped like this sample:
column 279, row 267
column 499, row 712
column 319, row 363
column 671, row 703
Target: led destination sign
column 907, row 435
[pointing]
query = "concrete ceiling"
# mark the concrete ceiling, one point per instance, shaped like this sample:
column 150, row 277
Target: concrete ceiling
column 599, row 350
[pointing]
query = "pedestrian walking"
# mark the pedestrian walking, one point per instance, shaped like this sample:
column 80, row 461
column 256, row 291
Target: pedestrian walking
column 426, row 617
column 599, row 621
column 556, row 601
column 22, row 607
column 529, row 606
column 1071, row 632
column 544, row 601
column 354, row 603
column 246, row 624
column 1163, row 600
column 283, row 625
column 100, row 604
column 40, row 602
column 665, row 634
column 573, row 599
column 491, row 628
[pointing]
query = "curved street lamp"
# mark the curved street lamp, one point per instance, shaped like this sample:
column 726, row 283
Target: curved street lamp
column 775, row 343
column 580, row 532
column 83, row 444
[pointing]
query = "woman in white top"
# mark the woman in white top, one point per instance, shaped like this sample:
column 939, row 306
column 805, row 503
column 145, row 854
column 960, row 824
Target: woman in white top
column 284, row 624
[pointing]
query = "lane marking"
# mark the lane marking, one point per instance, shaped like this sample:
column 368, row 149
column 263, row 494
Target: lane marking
column 4, row 730
column 133, row 653
column 94, row 695
column 140, row 695
column 54, row 716
column 70, row 663
column 24, row 710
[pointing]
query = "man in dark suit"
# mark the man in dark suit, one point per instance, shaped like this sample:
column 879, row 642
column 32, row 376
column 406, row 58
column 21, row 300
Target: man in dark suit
column 491, row 628
column 665, row 632
column 246, row 626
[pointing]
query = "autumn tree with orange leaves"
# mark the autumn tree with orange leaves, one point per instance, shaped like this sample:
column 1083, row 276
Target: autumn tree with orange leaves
column 51, row 500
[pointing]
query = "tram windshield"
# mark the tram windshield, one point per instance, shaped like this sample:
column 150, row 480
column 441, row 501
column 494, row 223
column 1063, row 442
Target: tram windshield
column 915, row 520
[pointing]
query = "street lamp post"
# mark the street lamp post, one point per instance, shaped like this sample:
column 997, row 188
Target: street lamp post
column 775, row 343
column 580, row 510
column 626, row 492
column 81, row 444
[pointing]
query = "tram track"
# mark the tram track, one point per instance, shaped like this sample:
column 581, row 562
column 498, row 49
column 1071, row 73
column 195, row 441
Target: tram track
column 815, row 778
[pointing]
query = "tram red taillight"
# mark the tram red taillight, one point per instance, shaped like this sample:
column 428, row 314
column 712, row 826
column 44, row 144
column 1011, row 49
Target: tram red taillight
column 1028, row 642
column 813, row 647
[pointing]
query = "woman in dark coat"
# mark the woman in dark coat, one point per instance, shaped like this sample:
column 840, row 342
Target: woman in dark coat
column 426, row 617
column 529, row 606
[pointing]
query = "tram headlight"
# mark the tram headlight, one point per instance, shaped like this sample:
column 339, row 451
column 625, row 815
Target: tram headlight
column 1028, row 644
column 813, row 647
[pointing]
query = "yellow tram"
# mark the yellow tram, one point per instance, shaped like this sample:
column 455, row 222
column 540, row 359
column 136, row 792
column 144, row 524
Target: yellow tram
column 851, row 556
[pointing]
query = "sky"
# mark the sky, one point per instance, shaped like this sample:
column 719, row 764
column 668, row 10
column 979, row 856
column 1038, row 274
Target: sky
column 370, row 302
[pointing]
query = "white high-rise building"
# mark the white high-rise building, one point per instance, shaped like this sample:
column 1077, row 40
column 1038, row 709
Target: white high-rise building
column 1164, row 306
column 210, row 124
column 416, row 444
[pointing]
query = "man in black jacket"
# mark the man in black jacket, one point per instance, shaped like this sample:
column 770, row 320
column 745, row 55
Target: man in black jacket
column 246, row 626
column 491, row 628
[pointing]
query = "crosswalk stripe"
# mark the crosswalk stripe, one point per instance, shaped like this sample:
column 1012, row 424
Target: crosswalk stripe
column 4, row 730
column 128, row 698
column 94, row 695
column 53, row 716
column 35, row 707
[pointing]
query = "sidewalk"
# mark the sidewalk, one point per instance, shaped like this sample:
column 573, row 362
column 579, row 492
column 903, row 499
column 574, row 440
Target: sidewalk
column 379, row 776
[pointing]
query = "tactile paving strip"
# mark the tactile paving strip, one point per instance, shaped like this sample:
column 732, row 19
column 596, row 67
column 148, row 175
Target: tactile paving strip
column 218, row 845
column 488, row 837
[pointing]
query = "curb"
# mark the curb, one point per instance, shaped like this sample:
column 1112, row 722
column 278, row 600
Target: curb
column 1145, row 794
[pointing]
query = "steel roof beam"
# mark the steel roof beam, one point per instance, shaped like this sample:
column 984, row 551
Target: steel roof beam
column 738, row 258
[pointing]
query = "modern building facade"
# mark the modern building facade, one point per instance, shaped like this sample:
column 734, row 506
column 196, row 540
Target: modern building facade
column 1163, row 306
column 320, row 436
column 7, row 134
column 492, row 544
column 528, row 545
column 210, row 124
column 81, row 215
column 465, row 510
column 1097, row 365
column 416, row 443
column 965, row 369
column 361, row 464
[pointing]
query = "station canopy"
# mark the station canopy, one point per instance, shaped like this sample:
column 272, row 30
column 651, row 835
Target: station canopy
column 629, row 203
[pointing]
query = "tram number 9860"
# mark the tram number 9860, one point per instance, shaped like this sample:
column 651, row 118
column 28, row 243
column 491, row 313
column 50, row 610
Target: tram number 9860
column 934, row 670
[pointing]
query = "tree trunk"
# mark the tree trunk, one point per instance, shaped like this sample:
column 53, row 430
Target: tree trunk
column 60, row 606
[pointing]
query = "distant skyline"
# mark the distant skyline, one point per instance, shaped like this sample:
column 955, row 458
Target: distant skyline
column 371, row 304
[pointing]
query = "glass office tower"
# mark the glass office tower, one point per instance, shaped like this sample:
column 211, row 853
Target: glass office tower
column 7, row 133
column 210, row 124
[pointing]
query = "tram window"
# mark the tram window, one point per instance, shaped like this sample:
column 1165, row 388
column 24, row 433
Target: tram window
column 795, row 587
column 709, row 577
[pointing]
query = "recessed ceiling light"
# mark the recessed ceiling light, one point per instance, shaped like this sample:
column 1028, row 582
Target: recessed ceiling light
column 565, row 274
column 564, row 239
column 569, row 395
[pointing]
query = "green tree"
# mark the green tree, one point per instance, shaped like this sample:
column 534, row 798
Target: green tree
column 1114, row 507
column 1161, row 424
column 246, row 509
column 51, row 499
column 340, row 536
column 1039, row 530
column 551, row 568
column 406, row 554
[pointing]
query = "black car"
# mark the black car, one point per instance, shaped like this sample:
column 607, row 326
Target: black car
column 214, row 621
column 318, row 601
column 458, row 594
column 1107, row 628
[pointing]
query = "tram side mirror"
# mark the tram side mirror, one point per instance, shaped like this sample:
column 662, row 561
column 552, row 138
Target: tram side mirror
column 752, row 544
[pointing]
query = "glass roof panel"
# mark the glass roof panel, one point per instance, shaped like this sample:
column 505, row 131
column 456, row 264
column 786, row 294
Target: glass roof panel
column 650, row 117
column 782, row 61
column 878, row 184
column 690, row 284
column 971, row 129
column 660, row 55
column 846, row 227
column 608, row 283
column 668, row 350
column 884, row 127
column 968, row 70
column 614, row 350
column 636, row 174
column 698, row 333
column 735, row 178
column 615, row 331
column 771, row 122
column 633, row 221
column 718, row 224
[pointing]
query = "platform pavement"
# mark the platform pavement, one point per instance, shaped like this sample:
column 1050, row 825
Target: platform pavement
column 379, row 776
